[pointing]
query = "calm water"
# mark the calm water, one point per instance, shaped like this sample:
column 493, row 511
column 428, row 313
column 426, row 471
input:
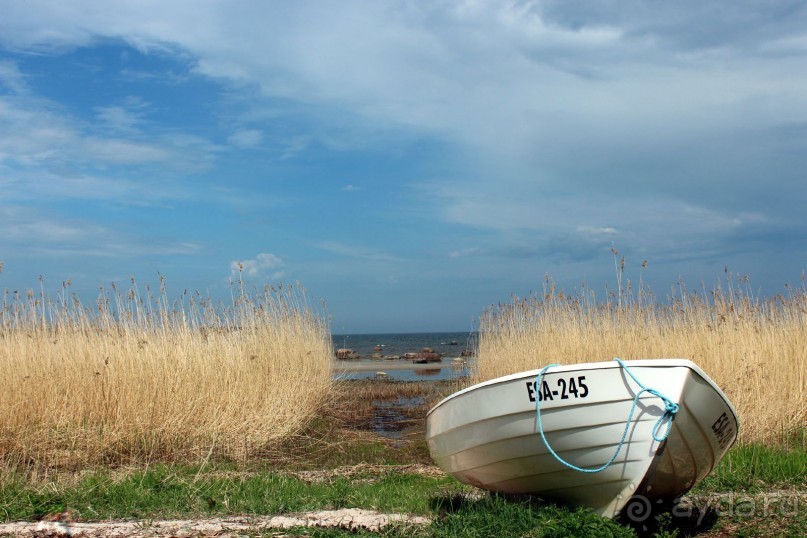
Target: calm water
column 400, row 343
column 449, row 345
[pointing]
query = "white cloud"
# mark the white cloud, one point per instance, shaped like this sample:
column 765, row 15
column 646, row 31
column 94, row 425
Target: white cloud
column 597, row 231
column 294, row 145
column 356, row 251
column 30, row 132
column 30, row 231
column 526, row 219
column 37, row 132
column 246, row 138
column 125, row 118
column 37, row 185
column 263, row 266
column 466, row 252
column 502, row 77
column 125, row 151
column 653, row 119
column 11, row 78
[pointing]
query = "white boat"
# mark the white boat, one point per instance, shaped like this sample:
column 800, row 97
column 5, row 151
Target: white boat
column 593, row 434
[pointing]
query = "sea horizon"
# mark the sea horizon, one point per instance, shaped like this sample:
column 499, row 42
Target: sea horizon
column 368, row 345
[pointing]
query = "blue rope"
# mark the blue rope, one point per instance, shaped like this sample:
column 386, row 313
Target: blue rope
column 670, row 409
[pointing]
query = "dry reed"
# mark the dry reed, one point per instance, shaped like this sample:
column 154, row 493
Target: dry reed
column 139, row 378
column 753, row 348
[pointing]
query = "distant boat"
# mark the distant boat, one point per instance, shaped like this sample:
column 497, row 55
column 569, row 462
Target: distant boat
column 592, row 434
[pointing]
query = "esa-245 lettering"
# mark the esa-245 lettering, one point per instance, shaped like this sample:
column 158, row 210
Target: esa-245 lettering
column 566, row 388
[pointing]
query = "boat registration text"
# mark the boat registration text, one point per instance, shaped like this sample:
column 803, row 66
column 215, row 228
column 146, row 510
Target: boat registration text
column 565, row 388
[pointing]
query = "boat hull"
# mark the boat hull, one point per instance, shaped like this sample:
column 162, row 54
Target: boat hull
column 487, row 434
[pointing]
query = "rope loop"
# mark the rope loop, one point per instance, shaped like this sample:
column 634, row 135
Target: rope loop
column 670, row 410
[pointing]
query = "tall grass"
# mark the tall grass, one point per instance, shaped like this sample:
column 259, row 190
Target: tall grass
column 754, row 348
column 138, row 377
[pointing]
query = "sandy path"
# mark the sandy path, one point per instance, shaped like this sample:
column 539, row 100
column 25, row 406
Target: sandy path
column 348, row 518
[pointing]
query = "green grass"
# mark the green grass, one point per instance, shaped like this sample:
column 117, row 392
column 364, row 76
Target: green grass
column 495, row 516
column 754, row 467
column 171, row 492
column 748, row 473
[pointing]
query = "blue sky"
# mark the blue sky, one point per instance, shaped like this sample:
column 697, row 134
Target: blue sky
column 410, row 163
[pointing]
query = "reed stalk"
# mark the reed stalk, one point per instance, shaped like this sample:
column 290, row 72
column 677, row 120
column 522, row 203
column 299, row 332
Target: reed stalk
column 754, row 348
column 138, row 377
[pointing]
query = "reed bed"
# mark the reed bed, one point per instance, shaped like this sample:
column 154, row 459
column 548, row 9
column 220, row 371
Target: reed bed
column 135, row 379
column 754, row 348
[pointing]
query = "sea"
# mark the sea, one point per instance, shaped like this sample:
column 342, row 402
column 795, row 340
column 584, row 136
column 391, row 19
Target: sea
column 448, row 344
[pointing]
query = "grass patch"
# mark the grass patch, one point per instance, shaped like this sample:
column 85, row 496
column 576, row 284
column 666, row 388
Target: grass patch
column 496, row 516
column 173, row 491
column 181, row 492
column 755, row 467
column 719, row 508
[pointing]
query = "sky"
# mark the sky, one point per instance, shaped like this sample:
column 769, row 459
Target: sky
column 410, row 163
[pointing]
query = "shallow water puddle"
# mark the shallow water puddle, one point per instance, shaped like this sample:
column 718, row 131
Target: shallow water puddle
column 391, row 418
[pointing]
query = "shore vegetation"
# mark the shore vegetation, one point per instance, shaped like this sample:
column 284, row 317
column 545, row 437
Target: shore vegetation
column 140, row 378
column 144, row 410
column 753, row 347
